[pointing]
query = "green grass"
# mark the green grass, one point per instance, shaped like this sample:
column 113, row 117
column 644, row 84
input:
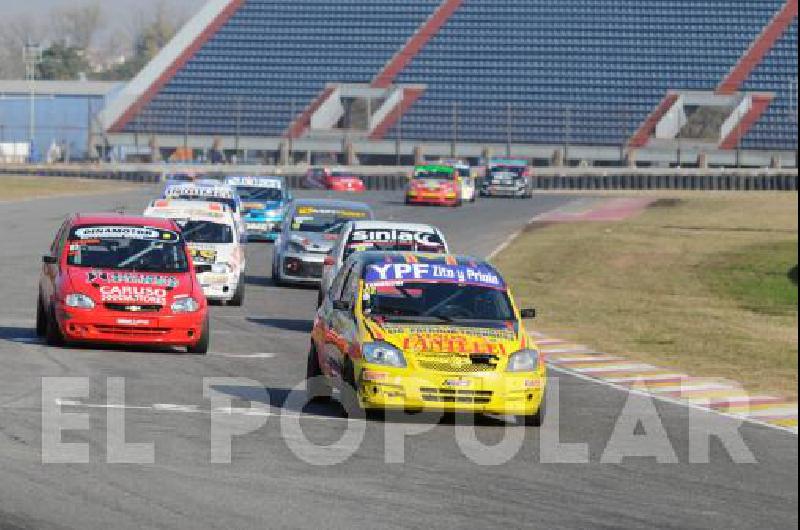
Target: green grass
column 761, row 278
column 700, row 285
column 15, row 188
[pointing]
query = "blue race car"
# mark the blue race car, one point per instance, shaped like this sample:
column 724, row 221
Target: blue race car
column 264, row 201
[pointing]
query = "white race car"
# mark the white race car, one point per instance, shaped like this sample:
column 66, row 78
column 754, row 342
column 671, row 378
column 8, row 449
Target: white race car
column 469, row 190
column 359, row 236
column 209, row 191
column 215, row 243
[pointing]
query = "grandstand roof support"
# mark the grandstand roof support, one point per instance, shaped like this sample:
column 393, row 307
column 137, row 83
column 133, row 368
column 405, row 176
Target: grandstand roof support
column 410, row 96
column 421, row 37
column 759, row 48
column 642, row 135
column 144, row 87
column 758, row 106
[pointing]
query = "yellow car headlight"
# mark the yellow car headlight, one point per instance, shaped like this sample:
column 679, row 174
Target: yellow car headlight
column 384, row 354
column 523, row 361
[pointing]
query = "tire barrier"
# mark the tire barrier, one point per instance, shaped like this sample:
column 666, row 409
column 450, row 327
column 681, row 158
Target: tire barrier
column 643, row 179
column 783, row 181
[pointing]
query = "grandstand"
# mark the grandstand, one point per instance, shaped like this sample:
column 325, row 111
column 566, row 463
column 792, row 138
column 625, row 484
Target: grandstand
column 602, row 75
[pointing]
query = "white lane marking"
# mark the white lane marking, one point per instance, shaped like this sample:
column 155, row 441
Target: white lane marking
column 688, row 386
column 193, row 409
column 670, row 400
column 777, row 411
column 644, row 378
column 514, row 235
column 556, row 351
column 624, row 367
column 245, row 355
column 169, row 407
column 733, row 400
column 587, row 358
column 507, row 242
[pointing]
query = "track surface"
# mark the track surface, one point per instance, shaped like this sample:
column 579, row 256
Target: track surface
column 267, row 486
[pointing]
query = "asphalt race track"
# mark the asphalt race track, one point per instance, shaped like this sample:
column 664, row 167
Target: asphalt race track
column 267, row 485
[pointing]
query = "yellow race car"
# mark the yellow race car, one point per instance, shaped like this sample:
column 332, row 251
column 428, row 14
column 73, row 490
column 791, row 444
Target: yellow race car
column 417, row 331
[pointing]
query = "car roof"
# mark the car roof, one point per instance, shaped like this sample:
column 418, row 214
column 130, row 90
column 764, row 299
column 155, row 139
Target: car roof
column 87, row 219
column 332, row 203
column 196, row 210
column 434, row 167
column 371, row 256
column 377, row 225
column 254, row 178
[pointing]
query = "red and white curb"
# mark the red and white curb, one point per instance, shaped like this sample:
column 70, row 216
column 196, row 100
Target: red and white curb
column 714, row 395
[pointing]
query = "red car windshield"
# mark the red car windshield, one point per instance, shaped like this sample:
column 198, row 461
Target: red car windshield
column 130, row 248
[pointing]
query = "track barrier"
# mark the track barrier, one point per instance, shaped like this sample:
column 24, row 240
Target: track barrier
column 544, row 179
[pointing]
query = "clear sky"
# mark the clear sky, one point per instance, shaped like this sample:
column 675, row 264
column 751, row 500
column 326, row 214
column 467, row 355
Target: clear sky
column 119, row 15
column 115, row 7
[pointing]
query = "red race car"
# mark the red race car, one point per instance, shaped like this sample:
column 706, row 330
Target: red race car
column 110, row 278
column 332, row 179
column 434, row 184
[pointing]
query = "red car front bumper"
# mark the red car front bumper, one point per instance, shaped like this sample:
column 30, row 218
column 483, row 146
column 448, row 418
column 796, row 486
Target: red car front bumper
column 437, row 199
column 103, row 326
column 346, row 185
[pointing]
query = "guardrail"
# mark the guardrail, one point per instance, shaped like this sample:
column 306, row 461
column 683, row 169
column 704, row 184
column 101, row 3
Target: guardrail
column 386, row 178
column 743, row 181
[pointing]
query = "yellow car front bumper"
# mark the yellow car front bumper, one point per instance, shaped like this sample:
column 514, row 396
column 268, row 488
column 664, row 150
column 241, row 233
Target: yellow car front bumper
column 501, row 393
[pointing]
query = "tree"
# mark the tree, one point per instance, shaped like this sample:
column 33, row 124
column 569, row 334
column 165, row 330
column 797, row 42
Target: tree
column 77, row 26
column 63, row 63
column 151, row 35
column 14, row 33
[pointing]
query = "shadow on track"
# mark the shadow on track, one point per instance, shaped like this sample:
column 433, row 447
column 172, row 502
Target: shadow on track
column 261, row 281
column 28, row 336
column 287, row 324
column 18, row 334
column 278, row 398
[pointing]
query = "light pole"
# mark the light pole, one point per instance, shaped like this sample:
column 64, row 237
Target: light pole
column 32, row 56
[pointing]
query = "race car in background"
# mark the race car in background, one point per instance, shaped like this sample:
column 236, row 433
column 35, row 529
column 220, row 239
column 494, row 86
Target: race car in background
column 109, row 278
column 411, row 331
column 264, row 202
column 507, row 178
column 434, row 184
column 172, row 178
column 215, row 244
column 465, row 176
column 209, row 191
column 333, row 179
column 310, row 229
column 361, row 236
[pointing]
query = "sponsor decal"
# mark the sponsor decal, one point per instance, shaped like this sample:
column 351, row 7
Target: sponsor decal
column 125, row 232
column 255, row 182
column 198, row 191
column 429, row 272
column 133, row 322
column 133, row 294
column 457, row 383
column 348, row 214
column 132, row 278
column 409, row 237
column 201, row 256
column 498, row 334
column 442, row 343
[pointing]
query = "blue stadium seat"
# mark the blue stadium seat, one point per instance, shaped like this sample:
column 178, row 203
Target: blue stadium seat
column 537, row 71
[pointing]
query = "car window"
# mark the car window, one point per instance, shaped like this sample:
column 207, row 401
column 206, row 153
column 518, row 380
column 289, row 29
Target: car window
column 350, row 288
column 57, row 246
column 339, row 281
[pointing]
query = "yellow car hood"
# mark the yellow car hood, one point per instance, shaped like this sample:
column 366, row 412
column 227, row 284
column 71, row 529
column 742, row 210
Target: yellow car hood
column 444, row 339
